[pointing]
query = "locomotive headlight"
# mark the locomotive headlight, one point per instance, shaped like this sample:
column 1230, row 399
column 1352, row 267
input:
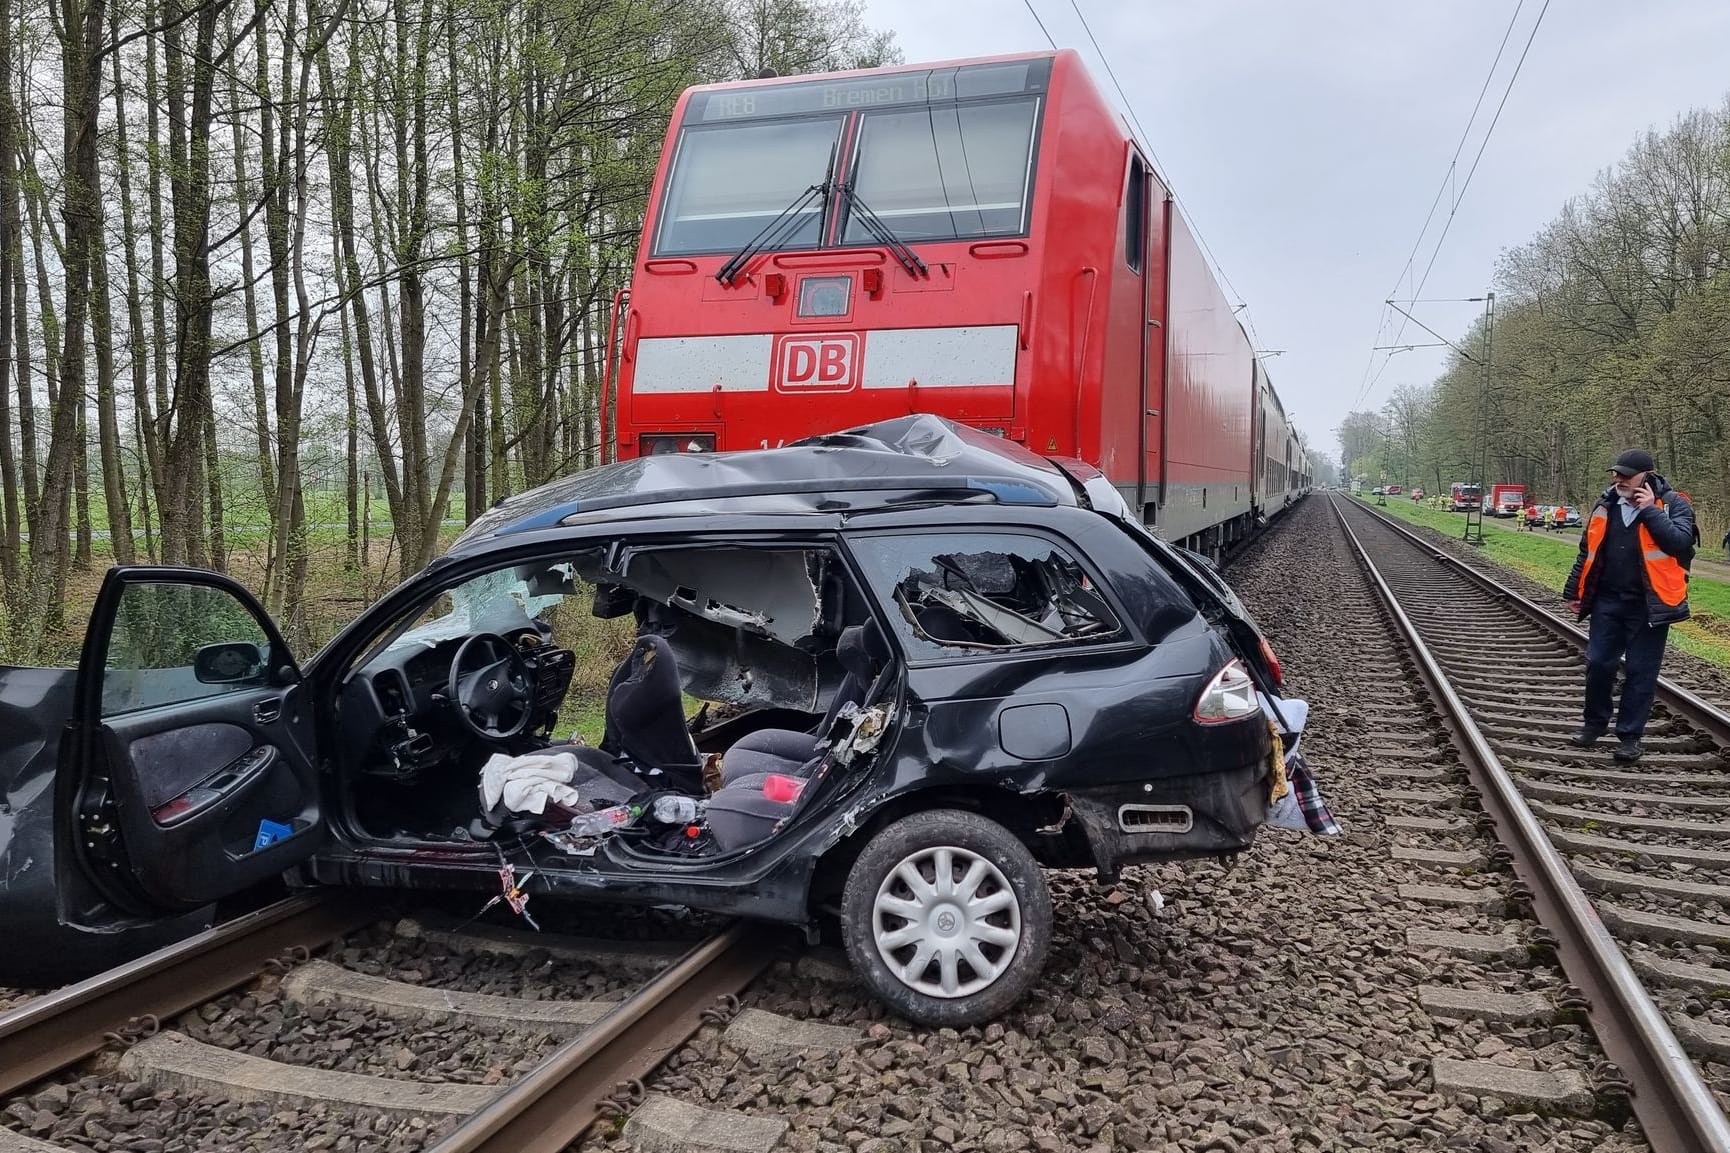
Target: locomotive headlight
column 825, row 295
column 661, row 443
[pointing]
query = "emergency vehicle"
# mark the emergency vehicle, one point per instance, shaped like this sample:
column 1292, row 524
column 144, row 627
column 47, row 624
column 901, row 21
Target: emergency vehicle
column 1506, row 500
column 1463, row 497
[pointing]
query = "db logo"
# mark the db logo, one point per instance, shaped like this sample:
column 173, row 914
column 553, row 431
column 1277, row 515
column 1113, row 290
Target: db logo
column 817, row 363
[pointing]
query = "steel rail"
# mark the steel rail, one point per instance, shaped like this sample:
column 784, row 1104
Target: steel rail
column 1677, row 1112
column 551, row 1106
column 1701, row 712
column 54, row 1030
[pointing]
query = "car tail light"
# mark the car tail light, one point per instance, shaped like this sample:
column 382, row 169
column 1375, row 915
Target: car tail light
column 1273, row 667
column 1230, row 696
column 661, row 443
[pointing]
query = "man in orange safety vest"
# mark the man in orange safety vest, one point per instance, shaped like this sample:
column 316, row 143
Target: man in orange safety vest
column 1631, row 578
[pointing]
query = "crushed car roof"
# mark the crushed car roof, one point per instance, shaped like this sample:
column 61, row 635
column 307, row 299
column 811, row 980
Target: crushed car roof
column 919, row 458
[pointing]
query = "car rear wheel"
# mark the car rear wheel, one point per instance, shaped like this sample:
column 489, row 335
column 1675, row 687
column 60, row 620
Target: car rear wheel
column 947, row 918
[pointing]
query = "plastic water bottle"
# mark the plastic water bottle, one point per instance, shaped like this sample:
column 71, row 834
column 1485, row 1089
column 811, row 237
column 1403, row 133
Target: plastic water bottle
column 600, row 821
column 676, row 810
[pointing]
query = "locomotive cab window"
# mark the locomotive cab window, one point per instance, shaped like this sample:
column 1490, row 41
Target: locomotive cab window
column 946, row 172
column 1135, row 215
column 951, row 594
column 730, row 181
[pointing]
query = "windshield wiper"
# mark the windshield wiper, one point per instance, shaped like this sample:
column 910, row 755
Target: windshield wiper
column 785, row 223
column 885, row 235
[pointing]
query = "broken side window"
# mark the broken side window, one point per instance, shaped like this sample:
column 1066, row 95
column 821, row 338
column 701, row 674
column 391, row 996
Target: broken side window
column 985, row 591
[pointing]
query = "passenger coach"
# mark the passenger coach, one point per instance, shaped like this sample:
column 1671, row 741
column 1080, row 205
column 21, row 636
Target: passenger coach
column 982, row 240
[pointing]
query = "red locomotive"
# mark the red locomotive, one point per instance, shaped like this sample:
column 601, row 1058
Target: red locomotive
column 979, row 239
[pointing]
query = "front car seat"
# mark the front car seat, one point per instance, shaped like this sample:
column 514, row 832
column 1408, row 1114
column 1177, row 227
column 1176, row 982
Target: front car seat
column 646, row 718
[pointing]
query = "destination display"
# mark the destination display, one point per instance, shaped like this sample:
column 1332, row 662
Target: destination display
column 935, row 86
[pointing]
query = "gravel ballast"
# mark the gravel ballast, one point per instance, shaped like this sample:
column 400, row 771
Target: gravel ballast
column 534, row 976
column 12, row 998
column 1273, row 1004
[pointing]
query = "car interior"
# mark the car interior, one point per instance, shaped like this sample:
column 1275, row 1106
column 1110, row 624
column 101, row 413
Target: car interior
column 743, row 669
column 742, row 662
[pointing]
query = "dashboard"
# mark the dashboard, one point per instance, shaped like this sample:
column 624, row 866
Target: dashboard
column 402, row 692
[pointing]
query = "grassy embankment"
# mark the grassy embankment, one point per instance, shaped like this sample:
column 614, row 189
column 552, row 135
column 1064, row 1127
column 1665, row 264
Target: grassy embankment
column 1548, row 559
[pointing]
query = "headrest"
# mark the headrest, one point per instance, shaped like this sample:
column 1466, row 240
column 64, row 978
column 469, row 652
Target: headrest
column 612, row 601
column 862, row 650
column 652, row 659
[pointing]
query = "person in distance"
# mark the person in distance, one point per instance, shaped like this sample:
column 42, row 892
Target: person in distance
column 1631, row 578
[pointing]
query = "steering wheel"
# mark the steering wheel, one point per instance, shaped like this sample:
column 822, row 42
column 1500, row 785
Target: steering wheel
column 496, row 699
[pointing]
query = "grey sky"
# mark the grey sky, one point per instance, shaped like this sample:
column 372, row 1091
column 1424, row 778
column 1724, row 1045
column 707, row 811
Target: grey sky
column 1307, row 139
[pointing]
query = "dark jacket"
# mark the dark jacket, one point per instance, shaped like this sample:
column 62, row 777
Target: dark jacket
column 1668, row 524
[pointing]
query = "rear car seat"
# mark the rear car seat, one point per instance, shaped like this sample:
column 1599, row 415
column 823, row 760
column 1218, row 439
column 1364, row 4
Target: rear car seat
column 863, row 653
column 742, row 813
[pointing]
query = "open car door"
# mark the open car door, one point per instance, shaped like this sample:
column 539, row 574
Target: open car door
column 191, row 773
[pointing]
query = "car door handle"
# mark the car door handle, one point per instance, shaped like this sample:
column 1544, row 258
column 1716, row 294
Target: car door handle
column 267, row 712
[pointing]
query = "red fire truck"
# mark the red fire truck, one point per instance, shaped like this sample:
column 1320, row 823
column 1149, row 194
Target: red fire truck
column 1506, row 500
column 1463, row 496
column 983, row 240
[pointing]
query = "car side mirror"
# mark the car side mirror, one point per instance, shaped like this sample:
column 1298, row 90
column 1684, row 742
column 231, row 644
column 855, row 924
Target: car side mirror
column 228, row 663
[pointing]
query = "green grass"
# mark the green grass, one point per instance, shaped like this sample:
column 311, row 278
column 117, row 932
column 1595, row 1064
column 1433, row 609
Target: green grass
column 1548, row 559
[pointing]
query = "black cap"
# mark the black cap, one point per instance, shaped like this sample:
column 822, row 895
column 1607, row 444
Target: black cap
column 1632, row 461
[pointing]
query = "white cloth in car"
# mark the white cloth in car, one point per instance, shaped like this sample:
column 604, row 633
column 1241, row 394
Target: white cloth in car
column 528, row 782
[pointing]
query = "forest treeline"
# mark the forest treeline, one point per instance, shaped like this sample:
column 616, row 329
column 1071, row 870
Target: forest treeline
column 287, row 284
column 1612, row 329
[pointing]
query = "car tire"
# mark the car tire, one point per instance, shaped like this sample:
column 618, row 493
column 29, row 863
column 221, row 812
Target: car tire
column 1010, row 934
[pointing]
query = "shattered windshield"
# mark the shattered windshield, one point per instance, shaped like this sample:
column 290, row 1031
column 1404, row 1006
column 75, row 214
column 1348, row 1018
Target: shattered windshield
column 503, row 601
column 494, row 602
column 986, row 591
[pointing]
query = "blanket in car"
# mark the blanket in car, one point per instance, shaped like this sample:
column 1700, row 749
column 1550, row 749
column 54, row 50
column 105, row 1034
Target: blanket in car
column 526, row 783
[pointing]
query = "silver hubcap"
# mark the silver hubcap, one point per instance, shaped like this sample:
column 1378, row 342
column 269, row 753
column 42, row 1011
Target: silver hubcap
column 946, row 922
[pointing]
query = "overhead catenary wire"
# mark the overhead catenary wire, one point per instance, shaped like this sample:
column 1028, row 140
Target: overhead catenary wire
column 1366, row 384
column 1448, row 176
column 1146, row 142
column 1159, row 165
column 1033, row 12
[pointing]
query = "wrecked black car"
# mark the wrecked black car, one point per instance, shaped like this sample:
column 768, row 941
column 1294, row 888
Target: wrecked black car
column 944, row 662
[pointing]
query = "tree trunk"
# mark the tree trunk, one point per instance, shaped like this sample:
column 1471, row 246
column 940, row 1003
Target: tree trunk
column 11, row 530
column 254, row 346
column 189, row 115
column 107, row 419
column 138, row 344
column 140, row 427
column 81, row 33
column 350, row 283
column 474, row 471
column 49, row 321
column 158, row 273
column 275, row 169
column 213, row 476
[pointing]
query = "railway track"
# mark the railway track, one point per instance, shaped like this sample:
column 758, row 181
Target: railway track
column 161, row 1032
column 1623, row 866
